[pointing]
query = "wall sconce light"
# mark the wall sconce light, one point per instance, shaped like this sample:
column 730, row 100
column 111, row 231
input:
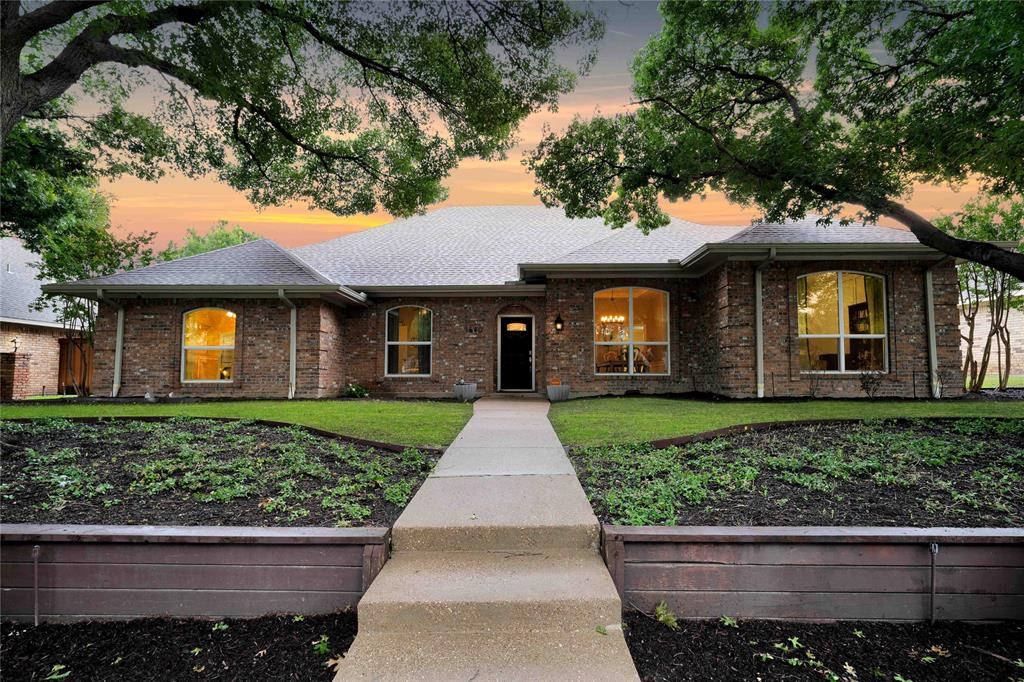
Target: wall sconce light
column 559, row 323
column 14, row 342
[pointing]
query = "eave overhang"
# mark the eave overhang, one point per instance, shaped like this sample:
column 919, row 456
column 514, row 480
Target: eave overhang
column 510, row 289
column 331, row 292
column 710, row 256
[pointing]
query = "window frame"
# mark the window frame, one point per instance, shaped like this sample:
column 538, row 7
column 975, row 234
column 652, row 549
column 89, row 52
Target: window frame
column 185, row 348
column 842, row 336
column 631, row 343
column 388, row 344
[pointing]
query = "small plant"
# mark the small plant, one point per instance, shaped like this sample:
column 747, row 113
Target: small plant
column 322, row 646
column 859, row 634
column 663, row 614
column 220, row 626
column 870, row 383
column 298, row 618
column 58, row 672
column 356, row 391
column 729, row 622
column 197, row 650
column 601, row 630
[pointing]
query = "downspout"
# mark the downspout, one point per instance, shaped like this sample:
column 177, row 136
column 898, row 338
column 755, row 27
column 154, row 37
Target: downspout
column 118, row 343
column 759, row 319
column 929, row 313
column 292, row 342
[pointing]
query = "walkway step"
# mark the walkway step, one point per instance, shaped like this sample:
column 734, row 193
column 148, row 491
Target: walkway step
column 497, row 512
column 488, row 657
column 486, row 591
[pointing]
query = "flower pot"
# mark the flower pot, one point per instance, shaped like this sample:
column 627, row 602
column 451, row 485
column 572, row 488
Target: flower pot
column 465, row 392
column 558, row 393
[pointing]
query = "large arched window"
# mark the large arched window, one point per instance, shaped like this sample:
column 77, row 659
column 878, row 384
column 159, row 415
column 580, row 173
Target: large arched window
column 208, row 345
column 408, row 342
column 631, row 331
column 842, row 322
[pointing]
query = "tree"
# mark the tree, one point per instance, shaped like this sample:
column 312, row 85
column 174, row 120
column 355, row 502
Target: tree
column 990, row 218
column 217, row 237
column 348, row 106
column 808, row 107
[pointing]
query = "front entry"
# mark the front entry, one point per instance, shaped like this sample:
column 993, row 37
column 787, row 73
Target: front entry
column 515, row 353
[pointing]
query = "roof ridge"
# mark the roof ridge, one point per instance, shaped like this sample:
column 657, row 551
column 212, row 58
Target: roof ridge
column 309, row 269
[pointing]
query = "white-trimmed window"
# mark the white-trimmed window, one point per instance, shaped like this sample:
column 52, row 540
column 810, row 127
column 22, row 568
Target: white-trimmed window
column 208, row 346
column 409, row 341
column 631, row 331
column 842, row 322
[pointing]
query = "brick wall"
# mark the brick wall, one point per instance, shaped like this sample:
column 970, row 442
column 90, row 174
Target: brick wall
column 38, row 351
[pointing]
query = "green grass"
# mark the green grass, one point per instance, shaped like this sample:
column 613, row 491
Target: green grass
column 1015, row 381
column 421, row 423
column 604, row 421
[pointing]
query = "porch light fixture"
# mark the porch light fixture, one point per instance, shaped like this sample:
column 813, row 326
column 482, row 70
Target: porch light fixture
column 559, row 323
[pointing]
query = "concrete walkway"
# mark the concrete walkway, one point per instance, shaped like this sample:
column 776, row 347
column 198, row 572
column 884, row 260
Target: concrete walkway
column 495, row 573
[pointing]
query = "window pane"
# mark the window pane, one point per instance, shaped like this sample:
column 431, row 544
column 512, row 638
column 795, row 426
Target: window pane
column 409, row 324
column 863, row 304
column 408, row 359
column 611, row 315
column 864, row 355
column 650, row 315
column 210, row 327
column 611, row 359
column 209, row 365
column 818, row 311
column 650, row 359
column 819, row 355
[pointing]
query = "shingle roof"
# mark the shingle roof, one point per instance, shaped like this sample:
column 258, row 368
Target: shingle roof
column 20, row 287
column 483, row 245
column 807, row 231
column 255, row 263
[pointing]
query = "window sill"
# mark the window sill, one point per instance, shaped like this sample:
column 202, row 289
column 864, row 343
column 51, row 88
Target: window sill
column 207, row 381
column 407, row 376
column 837, row 373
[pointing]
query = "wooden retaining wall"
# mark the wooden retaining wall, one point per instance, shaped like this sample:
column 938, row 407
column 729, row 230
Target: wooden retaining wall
column 809, row 573
column 113, row 572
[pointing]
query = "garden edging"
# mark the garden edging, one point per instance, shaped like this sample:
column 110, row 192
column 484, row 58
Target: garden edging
column 820, row 573
column 82, row 572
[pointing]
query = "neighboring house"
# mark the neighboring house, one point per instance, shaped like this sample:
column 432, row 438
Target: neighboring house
column 36, row 357
column 515, row 297
column 982, row 326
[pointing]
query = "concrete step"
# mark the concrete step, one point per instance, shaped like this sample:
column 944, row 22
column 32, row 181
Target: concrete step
column 490, row 591
column 488, row 657
column 497, row 512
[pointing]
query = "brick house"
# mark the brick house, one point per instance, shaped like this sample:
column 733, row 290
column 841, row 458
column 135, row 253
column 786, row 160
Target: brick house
column 517, row 297
column 36, row 355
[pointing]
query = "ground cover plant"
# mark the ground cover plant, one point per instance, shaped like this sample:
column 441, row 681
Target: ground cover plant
column 603, row 421
column 408, row 422
column 922, row 472
column 270, row 648
column 836, row 652
column 186, row 471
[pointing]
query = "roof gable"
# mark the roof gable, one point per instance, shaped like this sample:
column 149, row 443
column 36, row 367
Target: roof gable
column 20, row 286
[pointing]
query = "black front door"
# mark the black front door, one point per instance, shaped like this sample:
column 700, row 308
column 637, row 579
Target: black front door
column 516, row 367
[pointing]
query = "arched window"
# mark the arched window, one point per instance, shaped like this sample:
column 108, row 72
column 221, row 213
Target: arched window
column 208, row 345
column 408, row 342
column 842, row 322
column 631, row 331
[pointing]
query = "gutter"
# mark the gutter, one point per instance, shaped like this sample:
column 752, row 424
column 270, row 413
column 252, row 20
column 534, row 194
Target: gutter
column 292, row 342
column 759, row 318
column 118, row 343
column 935, row 385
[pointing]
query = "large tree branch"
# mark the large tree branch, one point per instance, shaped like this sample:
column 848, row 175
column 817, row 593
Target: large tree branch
column 18, row 30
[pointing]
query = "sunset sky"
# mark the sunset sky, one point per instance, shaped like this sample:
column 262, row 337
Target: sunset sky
column 174, row 203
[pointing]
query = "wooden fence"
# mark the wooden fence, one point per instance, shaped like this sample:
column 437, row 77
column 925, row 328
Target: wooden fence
column 109, row 572
column 809, row 573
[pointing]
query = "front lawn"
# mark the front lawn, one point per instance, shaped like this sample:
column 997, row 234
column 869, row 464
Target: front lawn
column 957, row 472
column 602, row 421
column 427, row 423
column 200, row 472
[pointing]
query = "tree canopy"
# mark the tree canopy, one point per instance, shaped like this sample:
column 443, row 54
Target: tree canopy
column 808, row 106
column 347, row 106
column 219, row 236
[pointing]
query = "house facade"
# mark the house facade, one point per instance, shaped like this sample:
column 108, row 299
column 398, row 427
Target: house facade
column 516, row 298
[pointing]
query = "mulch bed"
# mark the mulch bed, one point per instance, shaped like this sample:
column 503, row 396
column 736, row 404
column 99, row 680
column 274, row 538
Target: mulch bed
column 709, row 650
column 920, row 472
column 200, row 472
column 270, row 648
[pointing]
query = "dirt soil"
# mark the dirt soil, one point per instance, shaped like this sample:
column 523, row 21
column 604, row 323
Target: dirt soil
column 200, row 472
column 847, row 652
column 271, row 648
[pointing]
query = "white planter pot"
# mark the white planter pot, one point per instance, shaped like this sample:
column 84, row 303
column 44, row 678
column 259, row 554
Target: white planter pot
column 465, row 392
column 558, row 393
